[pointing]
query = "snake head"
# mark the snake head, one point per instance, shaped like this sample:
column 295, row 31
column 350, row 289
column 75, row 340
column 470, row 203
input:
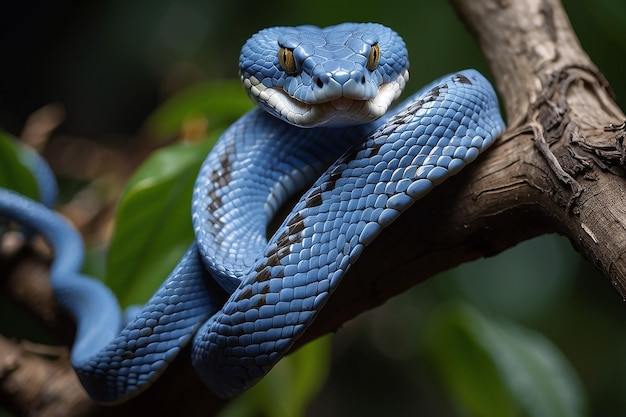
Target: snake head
column 339, row 75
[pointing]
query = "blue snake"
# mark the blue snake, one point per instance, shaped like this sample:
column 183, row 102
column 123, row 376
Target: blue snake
column 323, row 125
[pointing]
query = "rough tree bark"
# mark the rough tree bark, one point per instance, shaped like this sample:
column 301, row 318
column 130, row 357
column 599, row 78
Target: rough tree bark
column 558, row 168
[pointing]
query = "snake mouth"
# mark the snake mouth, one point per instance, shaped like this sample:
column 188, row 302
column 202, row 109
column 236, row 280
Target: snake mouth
column 339, row 111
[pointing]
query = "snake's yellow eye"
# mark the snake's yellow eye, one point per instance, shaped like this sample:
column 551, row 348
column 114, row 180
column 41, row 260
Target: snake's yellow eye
column 286, row 60
column 373, row 58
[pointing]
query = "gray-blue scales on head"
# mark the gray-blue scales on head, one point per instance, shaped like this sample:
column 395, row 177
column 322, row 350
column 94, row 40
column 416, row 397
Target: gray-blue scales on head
column 323, row 126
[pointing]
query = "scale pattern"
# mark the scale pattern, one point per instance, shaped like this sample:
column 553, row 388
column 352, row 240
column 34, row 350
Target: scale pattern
column 431, row 138
column 329, row 64
column 150, row 341
column 245, row 298
column 111, row 360
column 255, row 167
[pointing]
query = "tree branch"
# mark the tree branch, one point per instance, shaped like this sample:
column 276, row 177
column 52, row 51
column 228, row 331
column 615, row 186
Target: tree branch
column 558, row 168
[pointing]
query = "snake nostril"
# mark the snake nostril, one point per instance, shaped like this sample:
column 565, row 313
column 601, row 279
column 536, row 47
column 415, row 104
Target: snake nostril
column 362, row 79
column 319, row 82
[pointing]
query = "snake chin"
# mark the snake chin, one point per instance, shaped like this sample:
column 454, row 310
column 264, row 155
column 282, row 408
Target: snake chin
column 336, row 112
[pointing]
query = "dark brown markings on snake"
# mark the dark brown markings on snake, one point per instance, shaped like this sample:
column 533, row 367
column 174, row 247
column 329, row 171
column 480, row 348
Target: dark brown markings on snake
column 244, row 295
column 247, row 295
column 259, row 302
column 217, row 223
column 273, row 259
column 314, row 198
column 128, row 354
column 263, row 275
column 296, row 225
column 374, row 148
column 401, row 117
column 463, row 79
column 291, row 234
column 285, row 239
column 222, row 176
column 282, row 241
column 216, row 201
column 335, row 174
column 282, row 252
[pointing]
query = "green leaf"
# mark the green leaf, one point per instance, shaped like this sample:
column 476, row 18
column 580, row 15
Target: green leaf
column 153, row 222
column 14, row 173
column 288, row 388
column 220, row 102
column 498, row 368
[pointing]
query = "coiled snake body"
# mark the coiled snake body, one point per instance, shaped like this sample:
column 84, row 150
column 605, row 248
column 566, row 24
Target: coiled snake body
column 339, row 82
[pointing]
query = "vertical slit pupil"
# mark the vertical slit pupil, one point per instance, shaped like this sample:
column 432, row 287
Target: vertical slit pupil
column 373, row 58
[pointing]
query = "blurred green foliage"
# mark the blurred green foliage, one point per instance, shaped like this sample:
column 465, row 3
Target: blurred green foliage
column 498, row 368
column 15, row 173
column 153, row 222
column 535, row 331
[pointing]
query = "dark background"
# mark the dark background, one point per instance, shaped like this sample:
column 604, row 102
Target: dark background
column 111, row 63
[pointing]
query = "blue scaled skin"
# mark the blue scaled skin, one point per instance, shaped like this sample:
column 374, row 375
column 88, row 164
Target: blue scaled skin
column 323, row 127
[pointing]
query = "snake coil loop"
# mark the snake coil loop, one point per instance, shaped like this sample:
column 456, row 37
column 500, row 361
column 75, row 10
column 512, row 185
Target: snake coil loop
column 241, row 299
